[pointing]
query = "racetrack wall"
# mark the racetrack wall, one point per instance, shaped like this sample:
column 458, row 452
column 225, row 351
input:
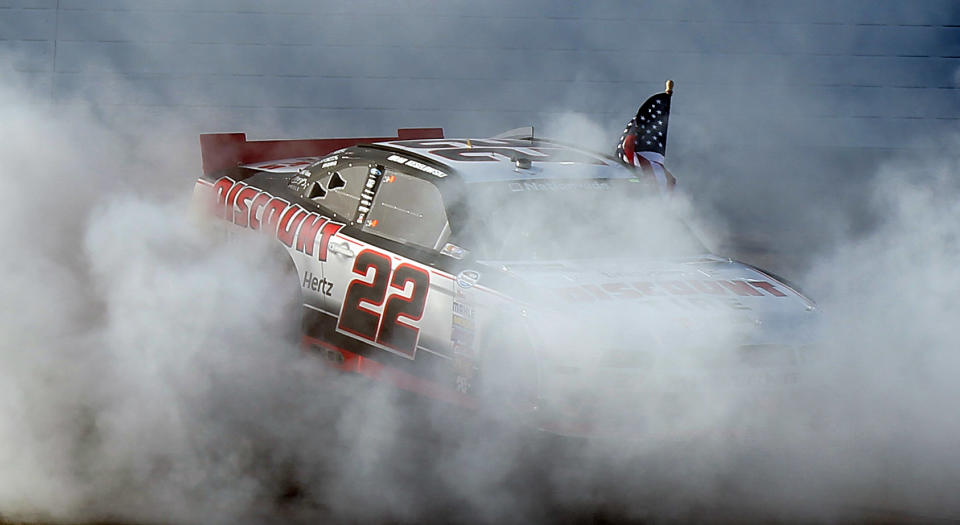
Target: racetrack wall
column 773, row 98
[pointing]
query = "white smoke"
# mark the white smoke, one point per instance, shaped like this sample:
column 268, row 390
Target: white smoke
column 146, row 378
column 142, row 357
column 890, row 295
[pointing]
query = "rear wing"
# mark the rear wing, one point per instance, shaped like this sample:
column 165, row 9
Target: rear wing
column 226, row 150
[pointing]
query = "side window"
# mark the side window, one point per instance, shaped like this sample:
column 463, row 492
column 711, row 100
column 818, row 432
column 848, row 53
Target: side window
column 339, row 190
column 408, row 209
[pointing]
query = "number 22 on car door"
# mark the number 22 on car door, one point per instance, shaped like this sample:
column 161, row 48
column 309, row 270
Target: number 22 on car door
column 384, row 302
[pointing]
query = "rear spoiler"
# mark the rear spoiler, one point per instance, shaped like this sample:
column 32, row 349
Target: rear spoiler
column 226, row 150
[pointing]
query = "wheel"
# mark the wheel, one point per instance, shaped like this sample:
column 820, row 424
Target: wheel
column 509, row 369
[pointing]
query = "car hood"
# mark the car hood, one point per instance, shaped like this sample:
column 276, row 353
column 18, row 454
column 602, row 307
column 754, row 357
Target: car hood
column 623, row 308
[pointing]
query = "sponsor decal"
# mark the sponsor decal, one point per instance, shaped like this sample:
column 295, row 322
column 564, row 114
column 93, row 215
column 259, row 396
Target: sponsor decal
column 465, row 369
column 462, row 309
column 374, row 176
column 560, row 186
column 462, row 328
column 246, row 206
column 462, row 336
column 467, row 279
column 463, row 322
column 463, row 332
column 695, row 292
column 452, row 250
column 768, row 287
column 320, row 285
column 417, row 165
column 427, row 169
column 298, row 182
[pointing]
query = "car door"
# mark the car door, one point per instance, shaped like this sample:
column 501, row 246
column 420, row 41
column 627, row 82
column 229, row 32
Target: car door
column 384, row 294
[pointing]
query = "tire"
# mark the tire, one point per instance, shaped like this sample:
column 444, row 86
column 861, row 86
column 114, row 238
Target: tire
column 287, row 322
column 509, row 368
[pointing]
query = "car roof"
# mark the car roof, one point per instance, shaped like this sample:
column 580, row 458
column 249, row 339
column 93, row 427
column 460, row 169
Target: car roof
column 510, row 159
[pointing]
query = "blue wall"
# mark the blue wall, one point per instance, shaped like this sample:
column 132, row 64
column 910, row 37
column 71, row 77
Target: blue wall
column 867, row 72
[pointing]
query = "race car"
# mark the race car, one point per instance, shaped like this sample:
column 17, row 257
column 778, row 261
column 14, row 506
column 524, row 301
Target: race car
column 511, row 267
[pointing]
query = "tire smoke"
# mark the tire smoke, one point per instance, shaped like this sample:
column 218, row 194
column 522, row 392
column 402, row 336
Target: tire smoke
column 145, row 375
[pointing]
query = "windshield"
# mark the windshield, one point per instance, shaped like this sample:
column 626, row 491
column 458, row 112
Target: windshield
column 542, row 220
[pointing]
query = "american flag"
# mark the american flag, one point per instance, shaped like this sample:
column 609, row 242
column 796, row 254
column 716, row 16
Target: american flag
column 644, row 140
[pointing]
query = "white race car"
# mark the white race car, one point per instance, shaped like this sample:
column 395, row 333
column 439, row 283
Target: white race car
column 512, row 268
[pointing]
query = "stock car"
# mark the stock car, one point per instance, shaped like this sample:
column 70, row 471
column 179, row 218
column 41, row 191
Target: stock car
column 507, row 268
